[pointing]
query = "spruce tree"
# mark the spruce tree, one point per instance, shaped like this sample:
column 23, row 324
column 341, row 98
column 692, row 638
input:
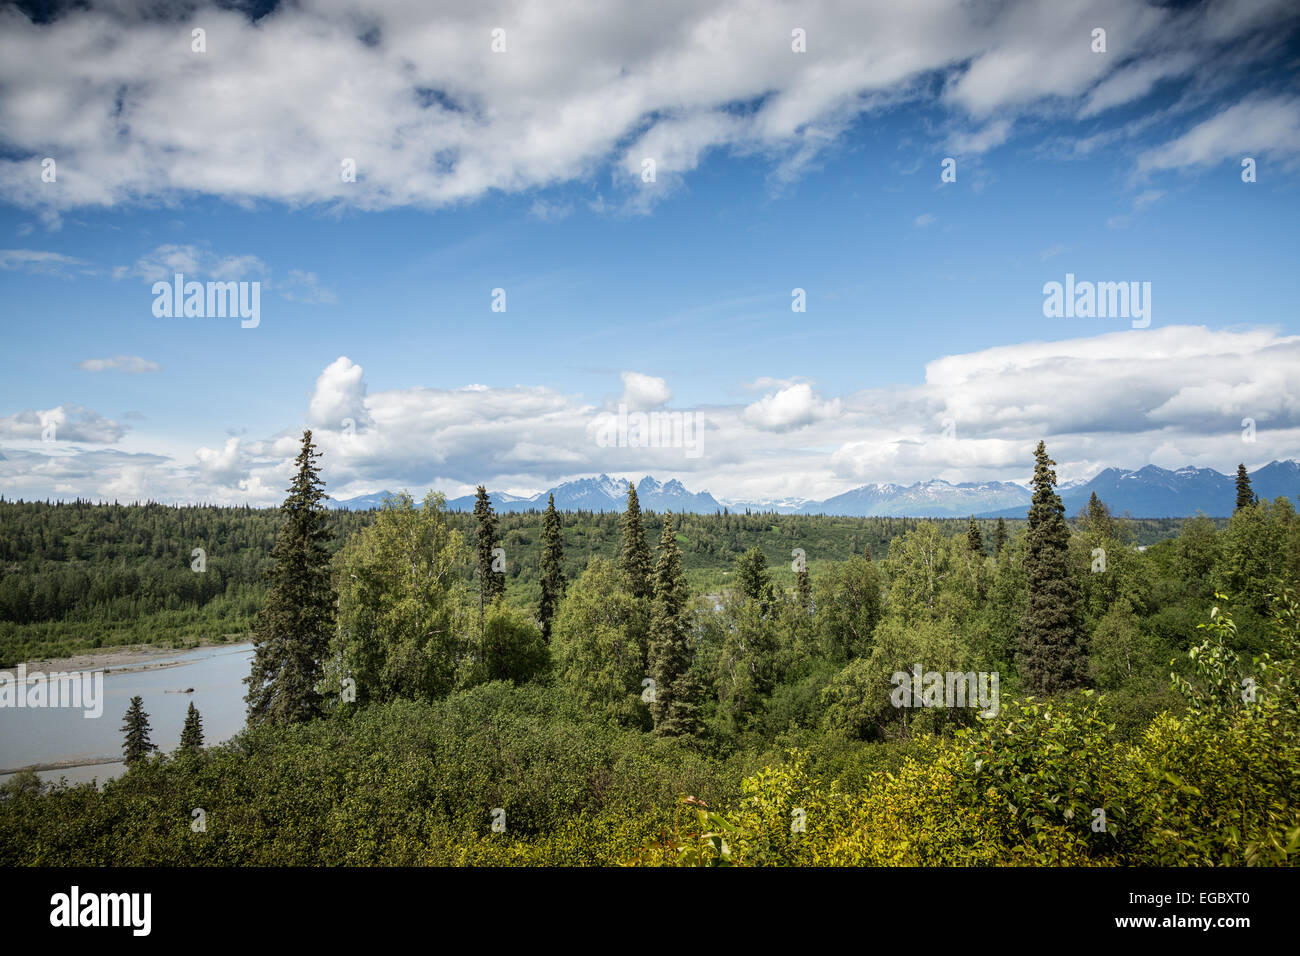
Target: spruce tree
column 551, row 566
column 803, row 588
column 136, row 745
column 1000, row 537
column 635, row 557
column 1098, row 519
column 491, row 584
column 1245, row 496
column 753, row 579
column 1052, row 639
column 973, row 537
column 192, row 732
column 675, row 708
column 294, row 626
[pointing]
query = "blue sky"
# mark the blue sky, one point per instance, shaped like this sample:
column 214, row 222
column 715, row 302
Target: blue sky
column 376, row 295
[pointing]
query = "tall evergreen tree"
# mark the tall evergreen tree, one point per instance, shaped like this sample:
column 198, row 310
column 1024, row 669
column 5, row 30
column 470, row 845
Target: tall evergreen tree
column 293, row 628
column 136, row 745
column 677, row 693
column 753, row 579
column 192, row 732
column 803, row 588
column 551, row 566
column 491, row 584
column 1245, row 496
column 1098, row 519
column 973, row 537
column 1000, row 537
column 635, row 557
column 1052, row 639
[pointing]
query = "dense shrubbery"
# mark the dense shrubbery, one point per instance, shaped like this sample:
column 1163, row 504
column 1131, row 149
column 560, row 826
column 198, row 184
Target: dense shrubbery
column 416, row 782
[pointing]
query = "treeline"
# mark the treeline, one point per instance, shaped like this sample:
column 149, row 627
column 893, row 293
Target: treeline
column 81, row 575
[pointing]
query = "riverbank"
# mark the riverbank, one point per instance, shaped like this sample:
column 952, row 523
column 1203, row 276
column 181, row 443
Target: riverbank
column 121, row 660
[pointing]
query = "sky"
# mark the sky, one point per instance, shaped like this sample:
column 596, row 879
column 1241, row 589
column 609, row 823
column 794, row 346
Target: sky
column 479, row 230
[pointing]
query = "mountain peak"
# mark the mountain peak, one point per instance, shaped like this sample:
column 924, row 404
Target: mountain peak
column 1148, row 492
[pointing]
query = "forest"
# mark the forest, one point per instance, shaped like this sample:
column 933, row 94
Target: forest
column 77, row 576
column 638, row 689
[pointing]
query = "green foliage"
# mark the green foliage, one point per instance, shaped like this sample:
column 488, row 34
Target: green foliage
column 599, row 643
column 1051, row 653
column 491, row 583
column 403, row 604
column 513, row 646
column 192, row 732
column 135, row 730
column 675, row 707
column 295, row 625
column 552, row 568
column 752, row 579
column 773, row 703
column 849, row 606
column 634, row 559
column 78, row 576
column 1245, row 496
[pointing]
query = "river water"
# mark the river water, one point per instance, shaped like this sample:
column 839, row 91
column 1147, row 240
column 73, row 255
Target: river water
column 34, row 736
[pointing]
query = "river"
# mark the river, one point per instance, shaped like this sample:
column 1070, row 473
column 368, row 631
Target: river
column 54, row 735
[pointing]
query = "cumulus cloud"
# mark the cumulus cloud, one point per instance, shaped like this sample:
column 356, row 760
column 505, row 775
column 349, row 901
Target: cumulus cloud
column 339, row 396
column 131, row 364
column 1175, row 395
column 68, row 423
column 644, row 391
column 431, row 116
column 223, row 467
column 791, row 407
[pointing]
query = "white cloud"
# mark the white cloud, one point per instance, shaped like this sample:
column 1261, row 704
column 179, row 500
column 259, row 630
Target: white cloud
column 1135, row 81
column 163, row 262
column 224, row 467
column 1174, row 395
column 433, row 117
column 644, row 391
column 63, row 423
column 37, row 261
column 982, row 140
column 1263, row 125
column 791, row 407
column 340, row 394
column 131, row 364
column 306, row 287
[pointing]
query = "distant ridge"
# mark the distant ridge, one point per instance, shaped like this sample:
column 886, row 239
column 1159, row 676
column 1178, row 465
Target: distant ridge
column 1153, row 492
column 1149, row 492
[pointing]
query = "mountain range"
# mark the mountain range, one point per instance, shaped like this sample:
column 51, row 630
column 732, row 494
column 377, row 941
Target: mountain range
column 1149, row 492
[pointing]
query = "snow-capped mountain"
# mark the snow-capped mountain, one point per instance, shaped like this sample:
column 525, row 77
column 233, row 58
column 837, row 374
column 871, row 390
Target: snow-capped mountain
column 584, row 494
column 924, row 499
column 1154, row 492
column 1149, row 492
